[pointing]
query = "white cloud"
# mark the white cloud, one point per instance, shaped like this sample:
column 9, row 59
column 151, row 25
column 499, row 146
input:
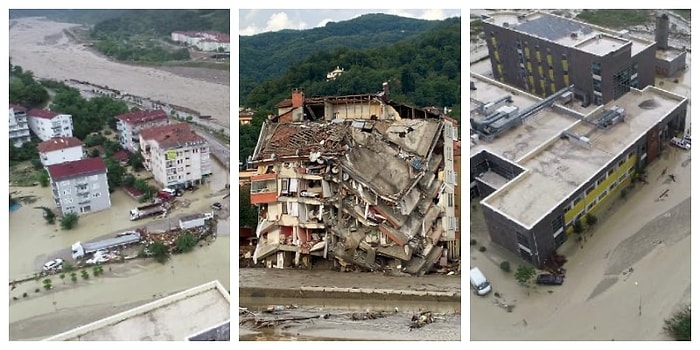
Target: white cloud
column 250, row 30
column 281, row 20
column 324, row 22
column 433, row 15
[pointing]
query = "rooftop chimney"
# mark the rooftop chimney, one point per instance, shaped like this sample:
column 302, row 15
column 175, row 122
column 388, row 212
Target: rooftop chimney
column 662, row 31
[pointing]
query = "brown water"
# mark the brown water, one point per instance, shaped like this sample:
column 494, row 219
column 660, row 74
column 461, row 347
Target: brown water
column 41, row 46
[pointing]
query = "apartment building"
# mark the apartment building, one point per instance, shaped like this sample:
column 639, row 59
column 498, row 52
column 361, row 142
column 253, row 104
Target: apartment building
column 47, row 124
column 60, row 150
column 19, row 126
column 358, row 179
column 80, row 186
column 175, row 154
column 129, row 125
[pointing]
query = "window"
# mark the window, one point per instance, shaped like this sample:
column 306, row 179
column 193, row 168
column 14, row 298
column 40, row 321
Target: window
column 450, row 200
column 285, row 186
column 589, row 190
column 622, row 161
column 523, row 240
column 66, row 191
column 285, row 209
column 610, row 171
column 557, row 223
column 96, row 195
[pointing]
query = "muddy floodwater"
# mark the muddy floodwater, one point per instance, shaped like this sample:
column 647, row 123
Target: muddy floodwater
column 123, row 286
column 339, row 325
column 42, row 47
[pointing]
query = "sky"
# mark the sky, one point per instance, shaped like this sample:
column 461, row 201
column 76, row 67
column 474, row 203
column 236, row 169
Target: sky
column 258, row 21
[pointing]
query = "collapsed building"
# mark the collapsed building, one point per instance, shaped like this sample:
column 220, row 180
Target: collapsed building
column 359, row 180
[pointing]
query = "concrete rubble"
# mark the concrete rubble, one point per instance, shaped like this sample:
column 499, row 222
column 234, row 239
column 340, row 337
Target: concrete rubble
column 373, row 190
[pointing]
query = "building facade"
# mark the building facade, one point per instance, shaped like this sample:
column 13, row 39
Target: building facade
column 129, row 125
column 19, row 126
column 60, row 150
column 175, row 154
column 536, row 182
column 46, row 124
column 541, row 53
column 80, row 186
column 365, row 181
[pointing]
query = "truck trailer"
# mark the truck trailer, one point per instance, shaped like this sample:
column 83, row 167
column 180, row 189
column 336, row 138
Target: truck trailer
column 146, row 211
column 79, row 250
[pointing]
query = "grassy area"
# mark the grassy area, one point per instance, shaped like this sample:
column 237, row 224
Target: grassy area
column 683, row 13
column 614, row 18
column 23, row 175
column 221, row 136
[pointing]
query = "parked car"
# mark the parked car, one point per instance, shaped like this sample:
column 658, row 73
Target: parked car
column 479, row 282
column 216, row 206
column 55, row 264
column 549, row 279
column 680, row 143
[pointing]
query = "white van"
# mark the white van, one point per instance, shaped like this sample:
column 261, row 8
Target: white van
column 479, row 283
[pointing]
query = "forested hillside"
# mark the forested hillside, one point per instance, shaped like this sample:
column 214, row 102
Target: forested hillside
column 268, row 55
column 421, row 71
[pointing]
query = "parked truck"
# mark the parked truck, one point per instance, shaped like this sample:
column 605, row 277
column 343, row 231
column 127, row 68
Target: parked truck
column 80, row 250
column 146, row 211
column 194, row 221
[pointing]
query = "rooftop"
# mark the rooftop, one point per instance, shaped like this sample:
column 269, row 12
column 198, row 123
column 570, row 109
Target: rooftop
column 669, row 54
column 384, row 155
column 568, row 32
column 146, row 116
column 58, row 143
column 83, row 167
column 41, row 113
column 189, row 314
column 17, row 108
column 172, row 135
column 556, row 167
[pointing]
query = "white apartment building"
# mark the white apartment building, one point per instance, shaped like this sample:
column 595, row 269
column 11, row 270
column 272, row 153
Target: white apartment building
column 175, row 154
column 205, row 41
column 130, row 124
column 19, row 127
column 60, row 150
column 80, row 186
column 46, row 124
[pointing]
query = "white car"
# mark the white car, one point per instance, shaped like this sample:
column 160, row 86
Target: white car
column 55, row 264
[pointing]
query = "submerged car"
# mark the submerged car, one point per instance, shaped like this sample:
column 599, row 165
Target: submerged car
column 216, row 206
column 549, row 279
column 55, row 264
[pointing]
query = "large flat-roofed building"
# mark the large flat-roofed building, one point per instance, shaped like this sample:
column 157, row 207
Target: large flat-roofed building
column 199, row 313
column 542, row 53
column 557, row 165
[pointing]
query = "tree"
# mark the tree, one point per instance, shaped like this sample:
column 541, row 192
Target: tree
column 47, row 284
column 185, row 242
column 48, row 215
column 115, row 173
column 43, row 178
column 74, row 277
column 524, row 274
column 84, row 274
column 505, row 266
column 678, row 326
column 159, row 251
column 69, row 221
column 136, row 161
column 578, row 226
column 591, row 219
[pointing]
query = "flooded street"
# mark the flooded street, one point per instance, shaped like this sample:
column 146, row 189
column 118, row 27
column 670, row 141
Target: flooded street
column 340, row 327
column 123, row 286
column 41, row 46
column 631, row 273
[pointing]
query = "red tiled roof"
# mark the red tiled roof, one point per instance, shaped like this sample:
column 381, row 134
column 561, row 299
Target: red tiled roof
column 18, row 107
column 143, row 116
column 121, row 155
column 58, row 143
column 41, row 113
column 83, row 167
column 171, row 135
column 284, row 103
